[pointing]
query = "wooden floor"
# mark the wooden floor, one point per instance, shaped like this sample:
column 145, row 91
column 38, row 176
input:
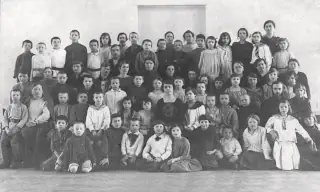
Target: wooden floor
column 237, row 181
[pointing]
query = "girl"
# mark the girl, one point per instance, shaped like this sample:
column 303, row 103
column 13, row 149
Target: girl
column 48, row 82
column 210, row 62
column 293, row 65
column 283, row 127
column 192, row 78
column 218, row 86
column 205, row 79
column 180, row 160
column 127, row 112
column 24, row 85
column 262, row 71
column 165, row 56
column 267, row 88
column 157, row 92
column 300, row 103
column 157, row 150
column 225, row 54
column 290, row 83
column 190, row 45
column 256, row 149
column 150, row 74
column 179, row 91
column 39, row 62
column 230, row 148
column 235, row 91
column 37, row 127
column 281, row 58
column 253, row 91
column 105, row 51
column 170, row 72
column 125, row 79
column 212, row 111
column 310, row 125
column 242, row 50
column 201, row 92
column 143, row 55
column 260, row 50
column 269, row 38
column 194, row 109
column 104, row 76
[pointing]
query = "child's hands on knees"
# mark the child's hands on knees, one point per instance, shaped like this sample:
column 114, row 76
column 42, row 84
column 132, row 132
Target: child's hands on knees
column 124, row 158
column 149, row 158
column 158, row 159
column 94, row 133
column 104, row 161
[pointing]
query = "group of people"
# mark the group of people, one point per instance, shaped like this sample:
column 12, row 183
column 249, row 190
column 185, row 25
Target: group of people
column 196, row 104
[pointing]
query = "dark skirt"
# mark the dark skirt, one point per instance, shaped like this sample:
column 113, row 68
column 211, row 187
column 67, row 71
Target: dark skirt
column 149, row 166
column 255, row 160
column 209, row 161
column 186, row 165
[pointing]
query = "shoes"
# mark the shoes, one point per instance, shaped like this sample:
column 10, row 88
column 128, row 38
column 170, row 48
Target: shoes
column 15, row 165
column 4, row 165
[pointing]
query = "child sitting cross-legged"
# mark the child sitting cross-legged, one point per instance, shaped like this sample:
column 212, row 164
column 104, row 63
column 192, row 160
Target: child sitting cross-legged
column 231, row 148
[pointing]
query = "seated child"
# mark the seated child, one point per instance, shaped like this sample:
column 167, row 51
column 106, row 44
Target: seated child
column 157, row 150
column 253, row 91
column 235, row 91
column 310, row 125
column 127, row 112
column 201, row 92
column 300, row 104
column 267, row 88
column 137, row 92
column 145, row 117
column 15, row 118
column 179, row 92
column 63, row 108
column 24, row 85
column 61, row 86
column 218, row 86
column 207, row 82
column 192, row 78
column 149, row 75
column 212, row 111
column 77, row 152
column 114, row 96
column 79, row 111
column 180, row 160
column 131, row 145
column 23, row 62
column 157, row 92
column 76, row 79
column 58, row 138
column 89, row 88
column 231, row 148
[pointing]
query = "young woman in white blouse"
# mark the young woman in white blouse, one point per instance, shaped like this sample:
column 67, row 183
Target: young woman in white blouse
column 260, row 50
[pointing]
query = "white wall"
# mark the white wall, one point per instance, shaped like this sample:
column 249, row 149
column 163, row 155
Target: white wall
column 39, row 20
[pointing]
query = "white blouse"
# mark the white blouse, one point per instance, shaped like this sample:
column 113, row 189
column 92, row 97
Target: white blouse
column 161, row 148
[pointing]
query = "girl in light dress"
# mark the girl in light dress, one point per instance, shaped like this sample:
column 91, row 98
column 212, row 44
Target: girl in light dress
column 225, row 54
column 105, row 51
column 157, row 92
column 282, row 57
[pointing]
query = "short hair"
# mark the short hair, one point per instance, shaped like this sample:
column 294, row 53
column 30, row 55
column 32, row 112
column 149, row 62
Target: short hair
column 138, row 75
column 269, row 21
column 146, row 40
column 211, row 38
column 168, row 82
column 224, row 34
column 63, row 91
column 200, row 82
column 133, row 33
column 126, row 98
column 277, row 82
column 27, row 41
column 201, row 36
column 115, row 45
column 178, row 41
column 224, row 93
column 273, row 70
column 124, row 62
column 24, row 72
column 158, row 79
column 188, row 89
column 243, row 29
column 188, row 31
column 87, row 76
column 115, row 78
column 239, row 62
column 75, row 31
column 257, row 32
column 294, row 60
column 115, row 115
column 48, row 68
column 255, row 64
column 134, row 119
column 203, row 118
column 80, row 123
column 286, row 102
column 168, row 32
column 146, row 100
column 94, row 41
column 77, row 62
column 62, row 72
column 81, row 92
column 253, row 75
column 105, row 35
column 149, row 59
column 122, row 33
column 235, row 75
column 97, row 92
column 54, row 38
column 289, row 74
column 16, row 90
column 220, row 78
column 159, row 41
column 178, row 78
column 158, row 122
column 62, row 118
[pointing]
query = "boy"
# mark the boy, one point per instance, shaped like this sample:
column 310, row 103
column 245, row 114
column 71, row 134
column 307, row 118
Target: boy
column 194, row 56
column 137, row 92
column 131, row 145
column 165, row 56
column 145, row 116
column 75, row 79
column 79, row 111
column 229, row 117
column 75, row 52
column 114, row 96
column 23, row 62
column 88, row 88
column 94, row 59
column 62, row 109
column 111, row 145
column 61, row 86
column 218, row 86
column 24, row 85
column 253, row 91
column 122, row 39
column 149, row 75
column 115, row 61
column 230, row 147
column 201, row 92
column 192, row 78
column 58, row 138
column 132, row 51
column 58, row 56
column 15, row 118
column 212, row 111
column 178, row 88
column 39, row 62
column 179, row 58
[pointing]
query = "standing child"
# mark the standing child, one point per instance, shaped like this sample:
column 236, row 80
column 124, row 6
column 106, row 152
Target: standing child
column 282, row 57
column 137, row 92
column 58, row 56
column 231, row 148
column 131, row 145
column 61, row 86
column 179, row 91
column 94, row 59
column 235, row 91
column 253, row 91
column 157, row 150
column 225, row 54
column 260, row 50
column 76, row 78
column 79, row 111
column 201, row 92
column 145, row 116
column 127, row 112
column 143, row 55
column 218, row 86
column 63, row 108
column 48, row 82
column 212, row 111
column 149, row 75
column 58, row 137
column 114, row 96
column 15, row 118
column 165, row 56
column 105, row 51
column 132, row 51
column 192, row 78
column 179, row 58
column 190, row 45
column 39, row 62
column 283, row 127
column 23, row 62
column 88, row 88
column 267, row 88
column 125, row 79
column 24, row 85
column 194, row 56
column 300, row 104
column 157, row 92
column 180, row 160
column 291, row 79
column 115, row 61
column 75, row 52
column 310, row 125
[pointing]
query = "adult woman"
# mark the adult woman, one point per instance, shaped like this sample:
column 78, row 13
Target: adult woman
column 262, row 71
column 269, row 38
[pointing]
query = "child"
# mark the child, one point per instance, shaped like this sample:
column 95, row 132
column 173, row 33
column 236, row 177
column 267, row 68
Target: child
column 157, row 150
column 15, row 118
column 261, row 71
column 210, row 63
column 165, row 56
column 235, row 91
column 205, row 144
column 194, row 109
column 77, row 152
column 115, row 61
column 75, row 52
column 137, row 92
column 58, row 138
column 105, row 51
column 310, row 125
column 132, row 51
column 94, row 59
column 239, row 69
column 267, row 88
column 256, row 148
column 230, row 147
column 260, row 50
column 218, row 86
column 111, row 145
column 253, row 91
column 170, row 72
column 23, row 62
column 105, row 77
column 179, row 92
column 149, row 75
column 24, row 85
column 300, row 104
column 122, row 39
column 157, row 92
column 39, row 62
column 283, row 127
column 113, row 97
column 79, row 111
column 194, row 56
column 180, row 160
column 48, row 82
column 143, row 55
column 201, row 92
column 62, row 109
column 179, row 58
column 212, row 111
column 190, row 45
column 229, row 117
column 61, row 86
column 131, row 145
column 125, row 79
column 145, row 116
column 192, row 78
column 225, row 54
column 58, row 56
column 281, row 58
column 127, row 112
column 88, row 88
column 76, row 78
column 291, row 80
column 207, row 82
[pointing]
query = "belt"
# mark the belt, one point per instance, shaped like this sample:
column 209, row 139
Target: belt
column 14, row 120
column 93, row 70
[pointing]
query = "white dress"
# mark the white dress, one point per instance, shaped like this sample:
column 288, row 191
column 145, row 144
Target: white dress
column 285, row 151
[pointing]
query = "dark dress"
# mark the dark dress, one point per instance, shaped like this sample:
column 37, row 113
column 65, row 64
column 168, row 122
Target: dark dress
column 272, row 43
column 75, row 52
column 125, row 83
column 130, row 55
column 300, row 107
column 78, row 113
column 137, row 94
column 243, row 53
column 165, row 57
column 149, row 77
column 170, row 113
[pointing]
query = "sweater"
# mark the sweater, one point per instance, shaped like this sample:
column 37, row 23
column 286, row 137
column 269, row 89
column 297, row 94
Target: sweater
column 23, row 63
column 112, row 138
column 78, row 113
column 98, row 118
column 158, row 148
column 132, row 148
column 75, row 52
